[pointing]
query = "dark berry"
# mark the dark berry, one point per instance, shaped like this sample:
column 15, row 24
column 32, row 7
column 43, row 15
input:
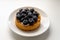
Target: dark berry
column 18, row 16
column 20, row 10
column 26, row 9
column 29, row 13
column 25, row 22
column 23, row 14
column 35, row 18
column 31, row 21
column 29, row 16
column 35, row 13
column 23, row 11
column 31, row 10
column 26, row 17
column 21, row 20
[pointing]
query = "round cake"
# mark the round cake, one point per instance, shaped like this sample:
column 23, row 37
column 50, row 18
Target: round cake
column 27, row 19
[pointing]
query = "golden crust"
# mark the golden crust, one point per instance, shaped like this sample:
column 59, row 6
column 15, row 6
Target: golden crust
column 29, row 27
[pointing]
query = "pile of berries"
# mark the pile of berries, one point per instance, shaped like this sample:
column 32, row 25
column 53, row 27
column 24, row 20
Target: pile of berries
column 27, row 16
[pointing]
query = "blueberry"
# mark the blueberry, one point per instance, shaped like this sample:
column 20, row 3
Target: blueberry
column 21, row 20
column 18, row 16
column 29, row 16
column 26, row 9
column 20, row 10
column 31, row 21
column 26, row 17
column 29, row 13
column 25, row 22
column 23, row 14
column 32, row 10
column 35, row 18
column 23, row 11
column 35, row 13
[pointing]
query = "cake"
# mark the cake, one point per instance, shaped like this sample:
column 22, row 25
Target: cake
column 28, row 19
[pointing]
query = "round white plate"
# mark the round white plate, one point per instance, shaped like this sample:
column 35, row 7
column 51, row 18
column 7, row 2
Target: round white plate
column 43, row 26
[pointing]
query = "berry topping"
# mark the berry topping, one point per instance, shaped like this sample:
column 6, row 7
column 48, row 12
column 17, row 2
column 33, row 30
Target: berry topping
column 27, row 16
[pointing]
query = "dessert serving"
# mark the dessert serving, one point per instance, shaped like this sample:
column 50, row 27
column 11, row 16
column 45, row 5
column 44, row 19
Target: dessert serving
column 27, row 19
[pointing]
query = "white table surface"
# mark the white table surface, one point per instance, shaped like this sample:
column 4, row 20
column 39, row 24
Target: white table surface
column 51, row 7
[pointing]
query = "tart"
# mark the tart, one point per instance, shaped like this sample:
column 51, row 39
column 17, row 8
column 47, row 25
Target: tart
column 27, row 19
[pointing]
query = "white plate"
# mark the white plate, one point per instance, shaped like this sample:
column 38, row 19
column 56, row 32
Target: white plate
column 44, row 25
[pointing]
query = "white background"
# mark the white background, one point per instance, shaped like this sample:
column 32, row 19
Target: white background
column 50, row 7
